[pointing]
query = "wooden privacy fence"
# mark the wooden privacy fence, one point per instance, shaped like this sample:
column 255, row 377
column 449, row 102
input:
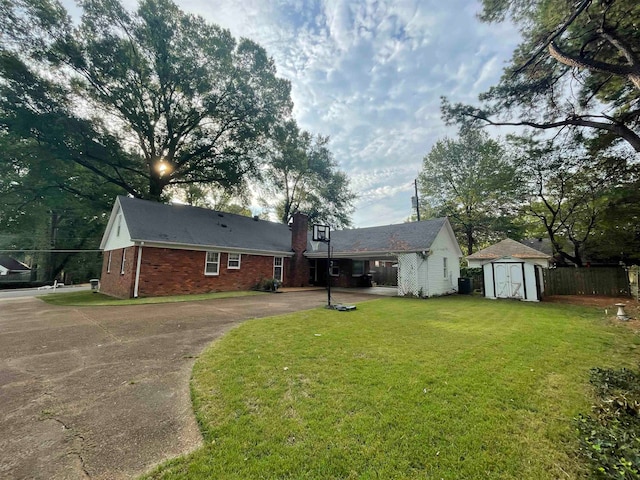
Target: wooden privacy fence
column 606, row 281
column 385, row 275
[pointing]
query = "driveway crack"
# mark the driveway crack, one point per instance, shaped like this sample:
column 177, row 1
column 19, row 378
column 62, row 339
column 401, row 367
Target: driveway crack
column 76, row 451
column 99, row 325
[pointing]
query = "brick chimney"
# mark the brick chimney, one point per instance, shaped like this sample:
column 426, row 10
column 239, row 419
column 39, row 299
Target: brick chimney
column 299, row 265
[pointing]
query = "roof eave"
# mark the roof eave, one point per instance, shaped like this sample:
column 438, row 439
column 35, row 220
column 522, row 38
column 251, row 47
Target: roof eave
column 221, row 248
column 365, row 255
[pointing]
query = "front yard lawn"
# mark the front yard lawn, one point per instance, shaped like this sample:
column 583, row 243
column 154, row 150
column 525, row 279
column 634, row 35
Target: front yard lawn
column 89, row 298
column 447, row 388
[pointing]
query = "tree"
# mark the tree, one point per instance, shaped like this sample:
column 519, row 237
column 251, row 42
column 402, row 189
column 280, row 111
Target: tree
column 472, row 181
column 45, row 218
column 585, row 204
column 578, row 67
column 225, row 200
column 303, row 176
column 142, row 100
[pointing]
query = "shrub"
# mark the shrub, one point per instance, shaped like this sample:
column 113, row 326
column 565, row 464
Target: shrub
column 610, row 436
column 268, row 285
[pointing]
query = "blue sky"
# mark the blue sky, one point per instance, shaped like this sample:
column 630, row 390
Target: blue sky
column 370, row 74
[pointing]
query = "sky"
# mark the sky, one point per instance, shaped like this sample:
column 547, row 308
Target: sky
column 370, row 74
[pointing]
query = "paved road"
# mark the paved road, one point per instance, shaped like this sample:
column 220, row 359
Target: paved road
column 103, row 392
column 35, row 292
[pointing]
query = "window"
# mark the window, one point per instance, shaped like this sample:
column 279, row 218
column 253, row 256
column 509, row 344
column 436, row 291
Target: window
column 277, row 268
column 334, row 271
column 445, row 268
column 233, row 261
column 109, row 263
column 212, row 263
column 358, row 268
column 124, row 255
column 119, row 225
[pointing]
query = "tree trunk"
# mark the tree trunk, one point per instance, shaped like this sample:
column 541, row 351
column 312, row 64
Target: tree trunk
column 470, row 241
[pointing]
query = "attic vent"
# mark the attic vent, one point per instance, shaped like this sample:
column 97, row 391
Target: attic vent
column 220, row 215
column 223, row 225
column 256, row 218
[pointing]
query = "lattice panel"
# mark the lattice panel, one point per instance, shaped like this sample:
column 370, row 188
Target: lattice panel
column 408, row 274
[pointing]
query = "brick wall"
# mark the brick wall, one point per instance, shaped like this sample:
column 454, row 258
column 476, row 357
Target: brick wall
column 165, row 271
column 115, row 283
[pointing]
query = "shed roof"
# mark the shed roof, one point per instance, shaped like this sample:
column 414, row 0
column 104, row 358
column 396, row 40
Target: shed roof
column 186, row 225
column 507, row 248
column 12, row 264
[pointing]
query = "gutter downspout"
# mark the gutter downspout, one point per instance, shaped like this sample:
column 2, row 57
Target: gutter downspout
column 137, row 282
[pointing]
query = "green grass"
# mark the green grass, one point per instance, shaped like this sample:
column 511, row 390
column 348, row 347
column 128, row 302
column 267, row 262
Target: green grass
column 89, row 298
column 445, row 388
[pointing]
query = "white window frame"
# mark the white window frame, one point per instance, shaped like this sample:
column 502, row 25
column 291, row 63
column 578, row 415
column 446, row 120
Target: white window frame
column 229, row 260
column 124, row 259
column 334, row 270
column 119, row 225
column 445, row 267
column 353, row 264
column 280, row 266
column 208, row 262
column 109, row 262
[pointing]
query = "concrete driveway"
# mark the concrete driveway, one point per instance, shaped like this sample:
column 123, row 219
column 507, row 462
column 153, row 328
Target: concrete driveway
column 103, row 392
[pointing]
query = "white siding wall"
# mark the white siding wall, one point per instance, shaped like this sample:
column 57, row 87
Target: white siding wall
column 443, row 247
column 417, row 274
column 3, row 270
column 529, row 278
column 118, row 239
column 487, row 272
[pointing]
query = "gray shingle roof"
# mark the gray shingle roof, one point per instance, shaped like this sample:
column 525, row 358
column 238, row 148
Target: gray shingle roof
column 12, row 264
column 507, row 248
column 402, row 237
column 186, row 225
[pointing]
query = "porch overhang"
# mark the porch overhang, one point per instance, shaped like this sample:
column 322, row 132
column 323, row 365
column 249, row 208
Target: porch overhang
column 368, row 255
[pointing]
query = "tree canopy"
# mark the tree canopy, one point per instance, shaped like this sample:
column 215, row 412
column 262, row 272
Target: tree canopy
column 303, row 176
column 578, row 67
column 143, row 99
column 586, row 205
column 471, row 180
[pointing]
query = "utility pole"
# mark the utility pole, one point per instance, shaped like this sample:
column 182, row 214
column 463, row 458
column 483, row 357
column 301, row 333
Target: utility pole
column 415, row 184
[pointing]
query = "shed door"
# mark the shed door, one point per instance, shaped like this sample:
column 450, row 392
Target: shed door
column 509, row 281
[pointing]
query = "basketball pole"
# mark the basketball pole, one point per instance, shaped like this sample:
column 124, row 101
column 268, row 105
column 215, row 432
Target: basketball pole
column 329, row 273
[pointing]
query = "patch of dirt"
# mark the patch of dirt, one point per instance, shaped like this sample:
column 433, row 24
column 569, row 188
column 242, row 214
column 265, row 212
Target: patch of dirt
column 632, row 307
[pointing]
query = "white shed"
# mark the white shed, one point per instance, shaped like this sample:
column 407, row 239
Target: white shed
column 511, row 270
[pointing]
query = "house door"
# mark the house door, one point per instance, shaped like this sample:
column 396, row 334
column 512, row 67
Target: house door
column 508, row 280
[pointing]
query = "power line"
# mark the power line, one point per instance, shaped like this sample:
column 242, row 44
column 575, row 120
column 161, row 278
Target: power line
column 48, row 251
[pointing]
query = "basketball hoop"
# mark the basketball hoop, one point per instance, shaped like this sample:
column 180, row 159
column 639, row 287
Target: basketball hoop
column 321, row 233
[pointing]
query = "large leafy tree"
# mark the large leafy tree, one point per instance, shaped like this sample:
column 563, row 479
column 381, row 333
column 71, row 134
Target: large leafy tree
column 586, row 205
column 472, row 181
column 578, row 68
column 45, row 218
column 142, row 100
column 303, row 176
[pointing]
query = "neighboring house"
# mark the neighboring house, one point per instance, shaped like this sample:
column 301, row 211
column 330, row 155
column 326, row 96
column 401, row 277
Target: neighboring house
column 511, row 270
column 156, row 249
column 12, row 270
column 10, row 265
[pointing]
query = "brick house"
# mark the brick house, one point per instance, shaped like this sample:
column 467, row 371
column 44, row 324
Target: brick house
column 153, row 249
